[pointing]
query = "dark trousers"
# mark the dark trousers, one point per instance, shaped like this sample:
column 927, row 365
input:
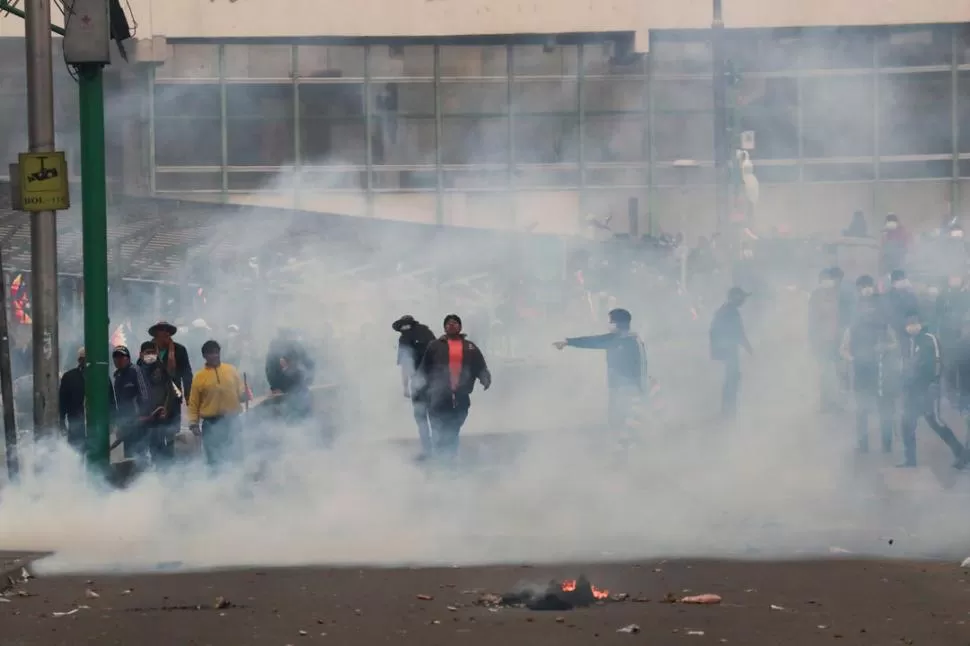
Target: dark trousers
column 161, row 440
column 446, row 424
column 77, row 436
column 926, row 405
column 621, row 402
column 221, row 440
column 872, row 395
column 424, row 425
column 732, row 386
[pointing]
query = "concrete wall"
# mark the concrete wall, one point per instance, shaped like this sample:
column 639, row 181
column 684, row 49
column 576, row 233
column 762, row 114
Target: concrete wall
column 280, row 18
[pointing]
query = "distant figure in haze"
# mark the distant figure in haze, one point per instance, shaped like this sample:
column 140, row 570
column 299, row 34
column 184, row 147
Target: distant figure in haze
column 870, row 347
column 727, row 337
column 626, row 365
column 412, row 343
column 858, row 228
column 290, row 371
column 450, row 367
column 896, row 241
column 825, row 333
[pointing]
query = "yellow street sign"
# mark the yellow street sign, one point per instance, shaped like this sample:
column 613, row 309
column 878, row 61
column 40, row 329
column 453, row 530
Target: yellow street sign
column 43, row 182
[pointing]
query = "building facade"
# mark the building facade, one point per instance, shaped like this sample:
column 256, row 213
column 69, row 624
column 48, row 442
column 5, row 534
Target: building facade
column 537, row 121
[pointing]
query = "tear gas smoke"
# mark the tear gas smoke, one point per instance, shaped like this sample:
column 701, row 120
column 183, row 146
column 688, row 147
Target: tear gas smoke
column 778, row 484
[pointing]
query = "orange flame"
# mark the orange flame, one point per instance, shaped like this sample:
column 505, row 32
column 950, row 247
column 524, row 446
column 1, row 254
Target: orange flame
column 569, row 585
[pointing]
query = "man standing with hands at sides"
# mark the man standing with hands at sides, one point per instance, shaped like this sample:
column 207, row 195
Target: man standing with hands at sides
column 174, row 358
column 727, row 338
column 450, row 367
column 411, row 346
column 215, row 406
column 626, row 365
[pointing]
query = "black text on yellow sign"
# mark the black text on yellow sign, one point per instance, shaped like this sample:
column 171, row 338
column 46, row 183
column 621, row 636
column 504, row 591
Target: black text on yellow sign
column 43, row 182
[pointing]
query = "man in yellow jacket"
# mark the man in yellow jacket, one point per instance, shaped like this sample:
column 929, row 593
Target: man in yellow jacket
column 214, row 407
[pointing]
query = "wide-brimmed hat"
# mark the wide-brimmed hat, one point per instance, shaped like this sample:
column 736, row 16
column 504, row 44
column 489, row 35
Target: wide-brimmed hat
column 162, row 326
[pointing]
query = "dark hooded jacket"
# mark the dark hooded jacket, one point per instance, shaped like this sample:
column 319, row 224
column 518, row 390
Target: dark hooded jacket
column 435, row 377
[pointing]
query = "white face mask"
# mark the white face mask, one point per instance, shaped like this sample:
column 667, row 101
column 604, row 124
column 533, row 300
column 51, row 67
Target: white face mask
column 933, row 291
column 405, row 328
column 901, row 284
column 149, row 359
column 867, row 291
column 891, row 225
column 747, row 253
column 956, row 234
column 913, row 329
column 827, row 283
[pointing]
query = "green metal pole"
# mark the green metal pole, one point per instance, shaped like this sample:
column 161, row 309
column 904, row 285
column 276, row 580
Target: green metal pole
column 94, row 227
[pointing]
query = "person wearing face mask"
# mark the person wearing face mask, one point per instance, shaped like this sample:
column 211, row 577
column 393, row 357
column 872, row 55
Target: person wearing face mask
column 727, row 337
column 824, row 331
column 159, row 413
column 626, row 365
column 870, row 347
column 922, row 370
column 413, row 341
column 951, row 311
column 449, row 369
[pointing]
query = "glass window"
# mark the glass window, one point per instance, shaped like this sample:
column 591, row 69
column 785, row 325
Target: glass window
column 769, row 107
column 256, row 182
column 258, row 61
column 330, row 61
column 681, row 56
column 612, row 58
column 914, row 114
column 683, row 176
column 614, row 95
column 474, row 97
column 320, row 180
column 542, row 96
column 776, row 174
column 683, row 135
column 837, row 116
column 474, row 140
column 190, row 61
column 915, row 169
column 404, row 61
column 683, row 95
column 260, row 124
column 914, row 46
column 332, row 124
column 963, row 43
column 402, row 98
column 409, row 180
column 207, row 182
column 545, row 60
column 847, row 172
column 547, row 139
column 476, row 179
column 187, row 125
column 400, row 141
column 470, row 61
column 963, row 104
column 615, row 138
column 763, row 50
column 836, row 48
column 538, row 177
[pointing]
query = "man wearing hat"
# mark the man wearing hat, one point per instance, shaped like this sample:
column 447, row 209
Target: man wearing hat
column 175, row 359
column 450, row 367
column 412, row 343
column 727, row 337
column 626, row 365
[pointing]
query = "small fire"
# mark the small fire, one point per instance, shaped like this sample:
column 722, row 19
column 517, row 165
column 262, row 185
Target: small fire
column 569, row 585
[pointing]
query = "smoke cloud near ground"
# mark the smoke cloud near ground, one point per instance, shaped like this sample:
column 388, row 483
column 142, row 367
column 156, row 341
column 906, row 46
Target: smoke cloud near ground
column 543, row 482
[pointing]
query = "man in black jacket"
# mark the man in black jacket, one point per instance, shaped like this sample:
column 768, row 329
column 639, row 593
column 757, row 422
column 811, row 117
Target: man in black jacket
column 290, row 371
column 449, row 369
column 412, row 343
column 922, row 370
column 626, row 365
column 71, row 400
column 131, row 393
column 175, row 359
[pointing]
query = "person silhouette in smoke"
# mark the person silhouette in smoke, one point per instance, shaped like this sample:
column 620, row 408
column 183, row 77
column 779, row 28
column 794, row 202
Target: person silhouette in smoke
column 412, row 343
column 626, row 365
column 450, row 367
column 727, row 337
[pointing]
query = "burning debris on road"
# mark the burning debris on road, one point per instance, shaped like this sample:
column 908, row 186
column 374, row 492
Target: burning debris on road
column 556, row 595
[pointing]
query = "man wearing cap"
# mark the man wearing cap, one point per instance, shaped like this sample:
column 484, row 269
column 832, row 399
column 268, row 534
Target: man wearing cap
column 175, row 359
column 131, row 392
column 727, row 337
column 449, row 369
column 626, row 365
column 412, row 343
